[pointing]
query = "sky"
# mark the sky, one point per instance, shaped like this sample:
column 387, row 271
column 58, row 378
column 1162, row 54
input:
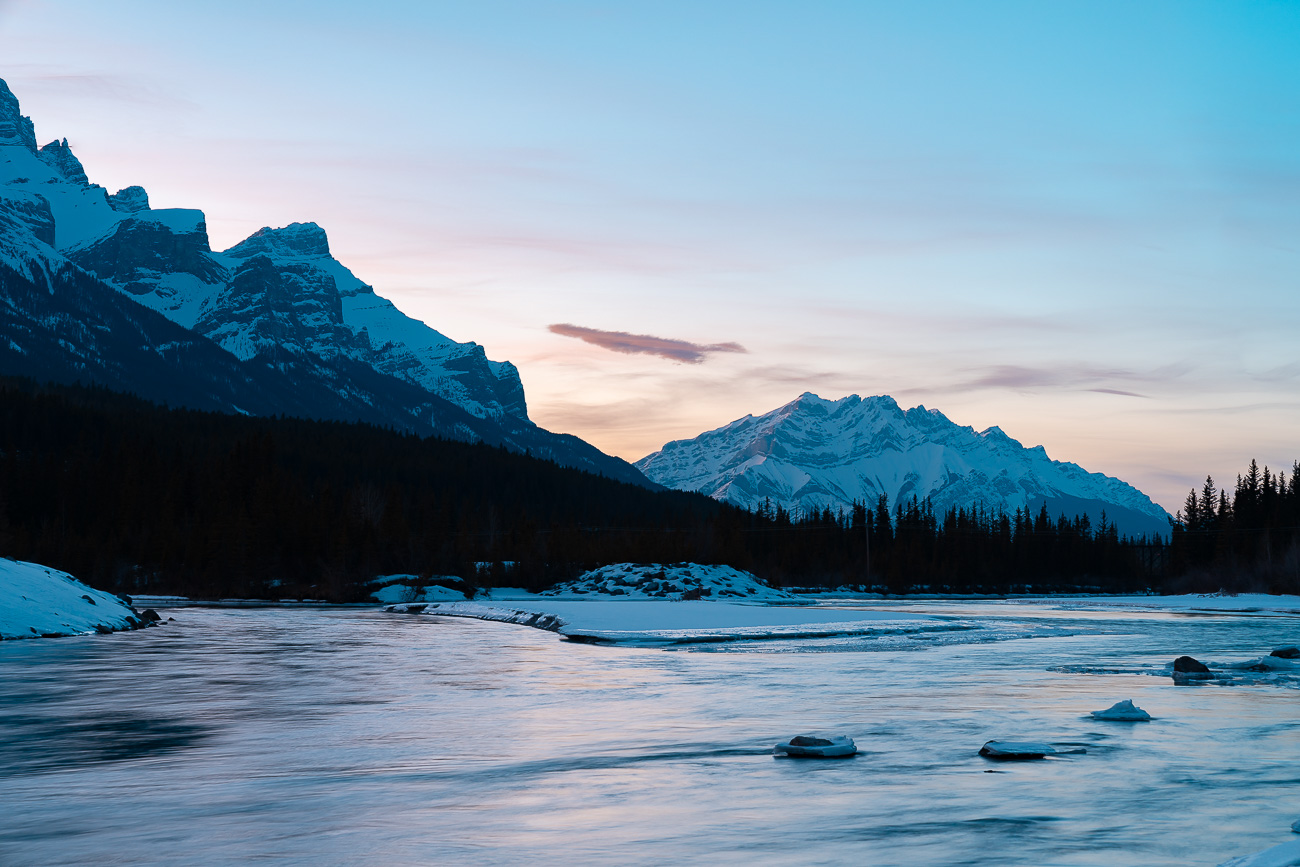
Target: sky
column 1079, row 221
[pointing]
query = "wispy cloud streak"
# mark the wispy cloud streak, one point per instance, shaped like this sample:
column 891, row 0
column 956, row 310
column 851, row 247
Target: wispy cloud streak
column 645, row 344
column 1062, row 376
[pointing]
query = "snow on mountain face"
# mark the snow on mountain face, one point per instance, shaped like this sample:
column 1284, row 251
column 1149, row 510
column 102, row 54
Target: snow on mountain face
column 159, row 258
column 381, row 335
column 14, row 128
column 280, row 290
column 58, row 156
column 814, row 453
column 274, row 325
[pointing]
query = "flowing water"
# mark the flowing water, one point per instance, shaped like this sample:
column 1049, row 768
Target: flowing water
column 356, row 737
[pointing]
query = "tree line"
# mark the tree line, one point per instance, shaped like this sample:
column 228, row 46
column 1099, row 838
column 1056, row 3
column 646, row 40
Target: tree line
column 137, row 498
column 1246, row 539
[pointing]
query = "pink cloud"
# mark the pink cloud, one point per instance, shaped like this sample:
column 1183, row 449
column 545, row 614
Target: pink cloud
column 645, row 344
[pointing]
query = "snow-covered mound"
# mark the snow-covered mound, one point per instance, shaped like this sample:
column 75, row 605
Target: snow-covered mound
column 39, row 602
column 675, row 581
column 391, row 589
column 812, row 454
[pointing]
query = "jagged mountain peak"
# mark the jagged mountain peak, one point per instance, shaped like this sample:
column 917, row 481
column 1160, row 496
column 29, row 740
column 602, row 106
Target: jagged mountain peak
column 293, row 240
column 14, row 127
column 129, row 200
column 814, row 453
column 78, row 267
column 58, row 156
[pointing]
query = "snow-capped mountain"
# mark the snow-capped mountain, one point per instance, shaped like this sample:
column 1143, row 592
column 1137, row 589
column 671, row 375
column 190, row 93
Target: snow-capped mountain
column 104, row 288
column 281, row 291
column 814, row 453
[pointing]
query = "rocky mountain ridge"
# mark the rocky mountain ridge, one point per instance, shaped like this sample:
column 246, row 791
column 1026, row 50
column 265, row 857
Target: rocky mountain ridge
column 812, row 454
column 274, row 324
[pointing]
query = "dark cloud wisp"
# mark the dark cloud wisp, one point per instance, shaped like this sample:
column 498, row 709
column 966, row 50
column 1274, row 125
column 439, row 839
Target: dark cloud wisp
column 645, row 344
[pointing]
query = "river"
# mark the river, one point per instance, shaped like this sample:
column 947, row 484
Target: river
column 323, row 736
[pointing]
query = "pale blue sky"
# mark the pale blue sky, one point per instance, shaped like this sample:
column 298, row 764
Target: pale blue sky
column 1078, row 221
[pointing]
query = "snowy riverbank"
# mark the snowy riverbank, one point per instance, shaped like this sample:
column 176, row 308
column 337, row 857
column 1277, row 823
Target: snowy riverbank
column 680, row 603
column 685, row 603
column 39, row 602
column 653, row 621
column 1193, row 603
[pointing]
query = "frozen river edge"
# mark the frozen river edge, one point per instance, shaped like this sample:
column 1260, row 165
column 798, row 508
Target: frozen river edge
column 645, row 622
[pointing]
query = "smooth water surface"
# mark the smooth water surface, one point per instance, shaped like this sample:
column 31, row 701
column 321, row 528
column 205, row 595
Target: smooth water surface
column 357, row 737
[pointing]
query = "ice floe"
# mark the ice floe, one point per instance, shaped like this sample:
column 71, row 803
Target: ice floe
column 817, row 747
column 1122, row 711
column 668, row 622
column 1020, row 750
column 1284, row 855
column 37, row 601
column 1264, row 604
column 714, row 606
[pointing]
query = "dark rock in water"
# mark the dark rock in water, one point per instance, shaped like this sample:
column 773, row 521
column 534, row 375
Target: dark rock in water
column 1187, row 665
column 150, row 616
column 809, row 741
column 1290, row 652
column 1015, row 750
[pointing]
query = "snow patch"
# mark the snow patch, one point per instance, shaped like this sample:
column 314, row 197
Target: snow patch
column 1237, row 603
column 672, row 581
column 1285, row 855
column 37, row 601
column 407, row 588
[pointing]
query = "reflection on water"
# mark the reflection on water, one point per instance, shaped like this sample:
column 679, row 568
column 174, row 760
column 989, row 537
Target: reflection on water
column 356, row 737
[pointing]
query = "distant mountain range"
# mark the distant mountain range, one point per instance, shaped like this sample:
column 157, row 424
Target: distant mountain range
column 814, row 454
column 101, row 288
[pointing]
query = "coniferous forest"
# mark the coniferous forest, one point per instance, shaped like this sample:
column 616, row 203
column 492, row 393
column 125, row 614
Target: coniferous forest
column 137, row 498
column 1248, row 538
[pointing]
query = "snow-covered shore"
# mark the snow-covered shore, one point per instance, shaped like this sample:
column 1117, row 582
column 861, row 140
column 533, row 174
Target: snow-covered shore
column 39, row 602
column 689, row 603
column 654, row 621
column 1283, row 855
column 679, row 603
column 1192, row 603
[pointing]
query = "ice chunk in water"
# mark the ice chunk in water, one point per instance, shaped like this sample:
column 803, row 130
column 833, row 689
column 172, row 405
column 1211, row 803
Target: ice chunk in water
column 1016, row 750
column 1122, row 711
column 816, row 747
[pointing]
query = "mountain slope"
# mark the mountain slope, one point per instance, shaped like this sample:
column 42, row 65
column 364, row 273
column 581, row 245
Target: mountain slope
column 814, row 453
column 103, row 289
